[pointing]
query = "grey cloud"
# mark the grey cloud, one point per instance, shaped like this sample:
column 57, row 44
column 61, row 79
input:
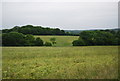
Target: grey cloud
column 65, row 15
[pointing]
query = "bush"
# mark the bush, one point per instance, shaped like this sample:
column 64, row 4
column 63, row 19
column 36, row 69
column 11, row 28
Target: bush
column 29, row 40
column 53, row 40
column 79, row 42
column 38, row 42
column 47, row 44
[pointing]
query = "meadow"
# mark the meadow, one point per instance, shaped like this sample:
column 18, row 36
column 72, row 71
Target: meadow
column 85, row 62
column 60, row 40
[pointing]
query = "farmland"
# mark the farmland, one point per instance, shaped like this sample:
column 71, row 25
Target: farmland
column 87, row 62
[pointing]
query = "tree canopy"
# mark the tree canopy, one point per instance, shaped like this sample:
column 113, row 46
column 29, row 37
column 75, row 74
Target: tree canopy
column 35, row 30
column 91, row 38
column 19, row 39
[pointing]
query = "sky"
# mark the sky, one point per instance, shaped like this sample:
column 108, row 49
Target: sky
column 67, row 15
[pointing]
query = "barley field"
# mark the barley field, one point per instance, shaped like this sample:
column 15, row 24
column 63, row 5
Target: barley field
column 86, row 62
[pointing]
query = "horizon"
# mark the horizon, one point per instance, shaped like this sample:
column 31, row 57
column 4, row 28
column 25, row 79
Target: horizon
column 64, row 29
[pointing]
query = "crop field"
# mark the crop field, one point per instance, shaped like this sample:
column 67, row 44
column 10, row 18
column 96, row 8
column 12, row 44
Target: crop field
column 60, row 40
column 86, row 62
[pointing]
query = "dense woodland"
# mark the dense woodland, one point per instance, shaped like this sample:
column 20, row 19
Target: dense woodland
column 98, row 37
column 23, row 36
column 37, row 30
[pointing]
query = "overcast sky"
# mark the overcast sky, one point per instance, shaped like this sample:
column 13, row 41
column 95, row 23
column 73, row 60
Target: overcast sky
column 63, row 15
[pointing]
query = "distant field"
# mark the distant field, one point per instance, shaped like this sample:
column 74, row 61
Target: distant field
column 61, row 40
column 89, row 62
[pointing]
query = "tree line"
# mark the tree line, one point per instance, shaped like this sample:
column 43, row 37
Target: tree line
column 23, row 36
column 98, row 37
column 37, row 30
column 19, row 39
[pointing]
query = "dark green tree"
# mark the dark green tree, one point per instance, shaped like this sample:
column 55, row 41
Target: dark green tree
column 91, row 38
column 35, row 30
column 38, row 42
column 13, row 39
column 88, row 37
column 29, row 40
column 79, row 42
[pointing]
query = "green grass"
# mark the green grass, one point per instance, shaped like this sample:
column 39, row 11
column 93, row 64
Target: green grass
column 61, row 40
column 90, row 62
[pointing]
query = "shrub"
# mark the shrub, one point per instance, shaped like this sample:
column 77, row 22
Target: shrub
column 29, row 40
column 53, row 40
column 38, row 42
column 79, row 42
column 47, row 44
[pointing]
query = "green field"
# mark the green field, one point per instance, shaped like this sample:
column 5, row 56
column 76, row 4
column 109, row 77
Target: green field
column 89, row 62
column 60, row 40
